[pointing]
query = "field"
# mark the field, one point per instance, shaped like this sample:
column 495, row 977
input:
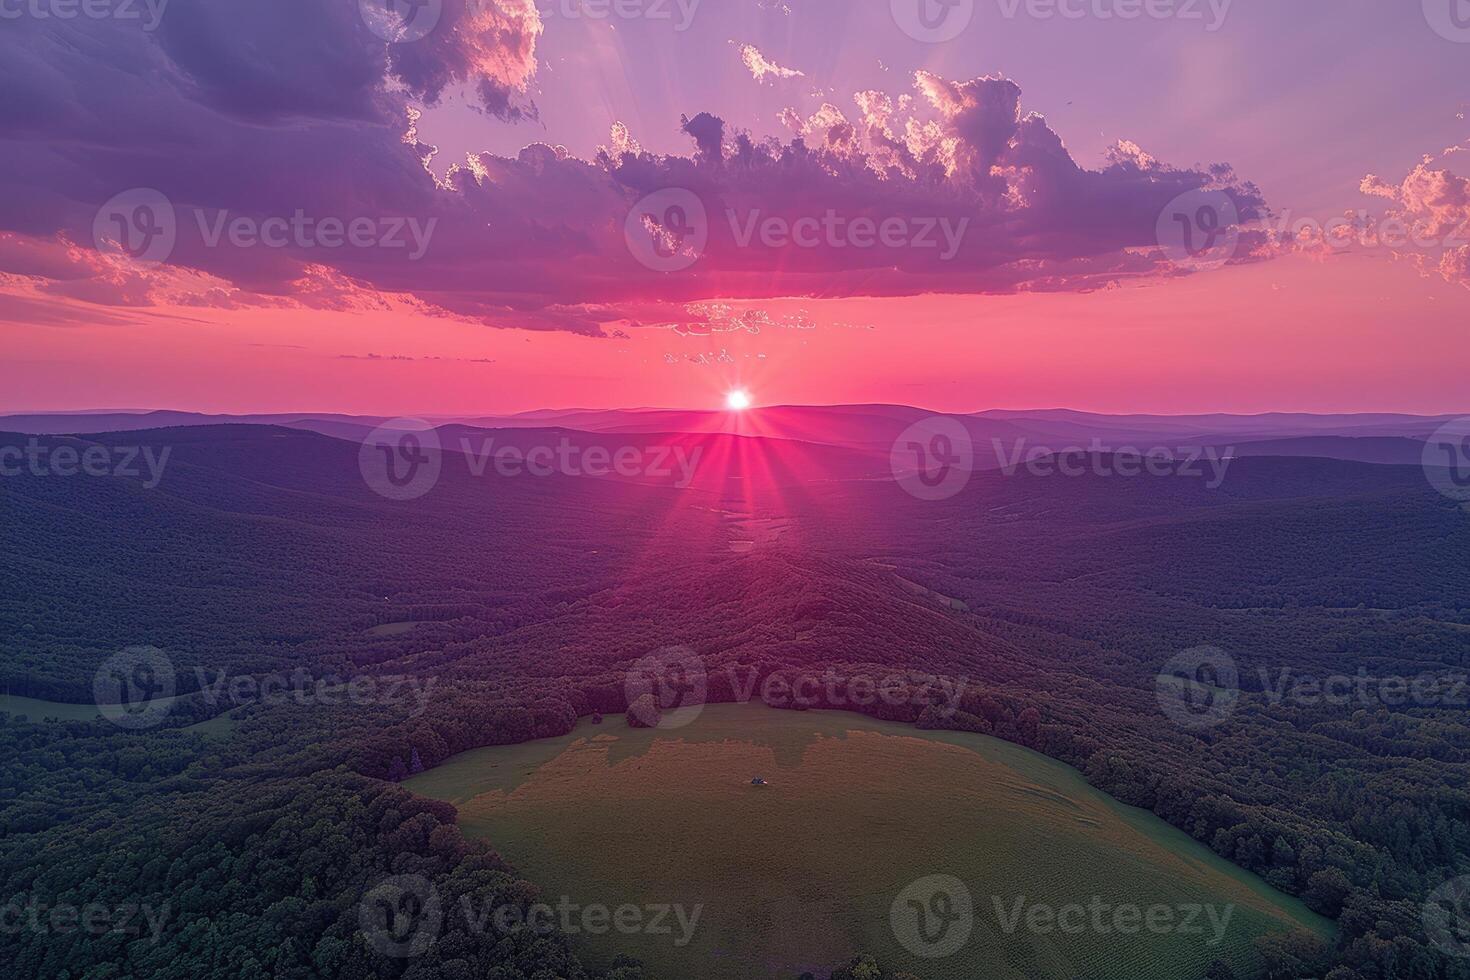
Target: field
column 42, row 711
column 798, row 874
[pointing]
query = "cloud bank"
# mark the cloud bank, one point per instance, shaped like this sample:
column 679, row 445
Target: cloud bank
column 266, row 111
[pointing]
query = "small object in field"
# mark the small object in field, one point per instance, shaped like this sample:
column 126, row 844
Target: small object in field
column 759, row 781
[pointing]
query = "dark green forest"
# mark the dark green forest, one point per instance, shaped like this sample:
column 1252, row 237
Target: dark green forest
column 527, row 603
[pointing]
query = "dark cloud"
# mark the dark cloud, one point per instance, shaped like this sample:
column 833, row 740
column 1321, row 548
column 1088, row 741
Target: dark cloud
column 279, row 107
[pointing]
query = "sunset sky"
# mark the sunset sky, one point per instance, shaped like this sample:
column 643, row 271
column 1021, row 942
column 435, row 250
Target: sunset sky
column 519, row 141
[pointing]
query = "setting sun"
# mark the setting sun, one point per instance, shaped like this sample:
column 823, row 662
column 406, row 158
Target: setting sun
column 737, row 400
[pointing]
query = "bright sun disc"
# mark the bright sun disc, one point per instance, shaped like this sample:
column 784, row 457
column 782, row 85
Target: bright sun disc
column 737, row 400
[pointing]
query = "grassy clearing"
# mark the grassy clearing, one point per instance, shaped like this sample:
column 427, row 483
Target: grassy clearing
column 41, row 711
column 803, row 872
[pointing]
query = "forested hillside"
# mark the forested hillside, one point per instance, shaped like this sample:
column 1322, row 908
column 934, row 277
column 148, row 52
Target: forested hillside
column 526, row 601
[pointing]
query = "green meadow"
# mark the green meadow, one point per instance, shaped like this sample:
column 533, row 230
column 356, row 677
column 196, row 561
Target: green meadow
column 803, row 872
column 41, row 711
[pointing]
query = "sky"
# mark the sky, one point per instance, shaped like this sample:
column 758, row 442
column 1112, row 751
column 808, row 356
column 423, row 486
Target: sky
column 478, row 206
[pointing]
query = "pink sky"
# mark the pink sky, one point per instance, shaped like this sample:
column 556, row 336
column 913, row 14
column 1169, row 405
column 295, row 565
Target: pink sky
column 528, row 293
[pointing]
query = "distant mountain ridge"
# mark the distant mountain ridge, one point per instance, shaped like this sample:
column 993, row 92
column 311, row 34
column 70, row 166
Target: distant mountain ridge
column 869, row 431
